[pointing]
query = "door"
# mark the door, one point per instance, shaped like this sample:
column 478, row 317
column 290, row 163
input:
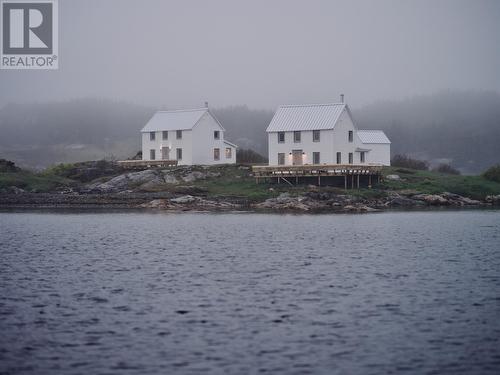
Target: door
column 165, row 153
column 297, row 157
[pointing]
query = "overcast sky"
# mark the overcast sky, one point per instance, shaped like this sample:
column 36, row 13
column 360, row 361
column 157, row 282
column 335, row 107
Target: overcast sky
column 265, row 53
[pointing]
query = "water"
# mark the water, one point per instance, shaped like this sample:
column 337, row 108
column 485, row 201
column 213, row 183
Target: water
column 158, row 293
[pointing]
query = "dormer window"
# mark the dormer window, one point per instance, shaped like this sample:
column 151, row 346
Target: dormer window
column 216, row 134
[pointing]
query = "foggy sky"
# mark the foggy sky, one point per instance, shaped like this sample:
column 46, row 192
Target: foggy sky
column 265, row 53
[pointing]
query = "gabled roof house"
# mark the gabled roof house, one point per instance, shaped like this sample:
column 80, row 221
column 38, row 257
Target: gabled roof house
column 323, row 134
column 192, row 136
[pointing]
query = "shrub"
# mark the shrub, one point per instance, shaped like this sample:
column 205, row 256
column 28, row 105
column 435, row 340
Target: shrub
column 446, row 169
column 493, row 173
column 84, row 171
column 8, row 166
column 404, row 161
column 249, row 156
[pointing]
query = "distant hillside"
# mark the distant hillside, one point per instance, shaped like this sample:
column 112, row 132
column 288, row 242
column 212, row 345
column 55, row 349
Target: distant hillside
column 458, row 127
column 40, row 134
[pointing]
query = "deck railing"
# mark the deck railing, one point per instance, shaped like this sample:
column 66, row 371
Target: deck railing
column 285, row 172
column 316, row 169
column 145, row 164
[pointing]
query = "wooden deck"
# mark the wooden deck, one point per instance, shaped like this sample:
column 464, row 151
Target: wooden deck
column 295, row 173
column 145, row 164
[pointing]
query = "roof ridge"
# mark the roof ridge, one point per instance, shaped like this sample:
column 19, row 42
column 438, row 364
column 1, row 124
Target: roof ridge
column 183, row 110
column 311, row 105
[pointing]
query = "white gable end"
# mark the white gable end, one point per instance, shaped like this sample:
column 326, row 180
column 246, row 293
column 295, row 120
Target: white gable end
column 192, row 136
column 323, row 134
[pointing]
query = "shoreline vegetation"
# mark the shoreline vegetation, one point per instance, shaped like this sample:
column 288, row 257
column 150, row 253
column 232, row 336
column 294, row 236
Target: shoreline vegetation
column 104, row 184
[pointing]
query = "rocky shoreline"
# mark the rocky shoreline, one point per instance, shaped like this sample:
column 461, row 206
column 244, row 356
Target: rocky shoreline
column 310, row 201
column 191, row 188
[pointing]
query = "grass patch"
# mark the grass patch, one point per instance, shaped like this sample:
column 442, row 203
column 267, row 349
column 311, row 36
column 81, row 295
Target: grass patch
column 234, row 182
column 29, row 181
column 476, row 187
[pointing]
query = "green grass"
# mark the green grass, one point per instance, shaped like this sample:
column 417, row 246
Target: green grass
column 235, row 182
column 475, row 187
column 32, row 181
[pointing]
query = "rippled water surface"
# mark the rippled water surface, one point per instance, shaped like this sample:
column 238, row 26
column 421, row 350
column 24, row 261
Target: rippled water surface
column 155, row 293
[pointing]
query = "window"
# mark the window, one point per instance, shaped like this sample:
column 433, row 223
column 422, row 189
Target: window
column 216, row 153
column 152, row 136
column 339, row 158
column 152, row 154
column 229, row 153
column 281, row 158
column 350, row 157
column 179, row 154
column 315, row 135
column 165, row 135
column 216, row 134
column 296, row 137
column 362, row 156
column 281, row 137
column 315, row 157
column 350, row 135
column 178, row 134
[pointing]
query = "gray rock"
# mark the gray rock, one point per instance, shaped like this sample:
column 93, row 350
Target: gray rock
column 156, row 203
column 16, row 190
column 184, row 199
column 469, row 202
column 127, row 181
column 432, row 199
column 142, row 176
column 155, row 184
column 493, row 199
column 170, row 179
column 283, row 197
column 449, row 195
column 393, row 177
column 193, row 176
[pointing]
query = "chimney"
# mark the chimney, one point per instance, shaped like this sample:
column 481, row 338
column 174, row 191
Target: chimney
column 342, row 98
column 206, row 104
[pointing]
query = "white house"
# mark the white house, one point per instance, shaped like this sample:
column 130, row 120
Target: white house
column 192, row 136
column 323, row 134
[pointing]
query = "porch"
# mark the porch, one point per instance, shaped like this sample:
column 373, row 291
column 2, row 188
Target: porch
column 342, row 175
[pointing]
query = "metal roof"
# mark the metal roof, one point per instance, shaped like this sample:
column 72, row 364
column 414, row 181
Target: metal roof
column 306, row 117
column 174, row 120
column 230, row 144
column 372, row 136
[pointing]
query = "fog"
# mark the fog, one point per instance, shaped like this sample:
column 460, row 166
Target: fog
column 178, row 54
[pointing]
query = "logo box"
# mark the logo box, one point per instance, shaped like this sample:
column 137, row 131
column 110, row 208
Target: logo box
column 29, row 34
